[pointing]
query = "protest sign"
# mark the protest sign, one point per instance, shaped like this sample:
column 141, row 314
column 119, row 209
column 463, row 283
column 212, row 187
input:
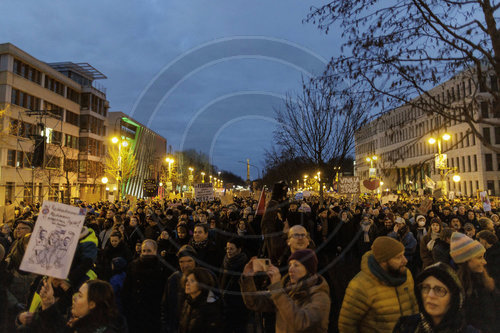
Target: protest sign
column 425, row 206
column 54, row 240
column 486, row 201
column 203, row 192
column 299, row 196
column 349, row 185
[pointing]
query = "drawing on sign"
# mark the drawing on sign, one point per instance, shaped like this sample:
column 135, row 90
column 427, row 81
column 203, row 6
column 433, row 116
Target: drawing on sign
column 349, row 185
column 54, row 240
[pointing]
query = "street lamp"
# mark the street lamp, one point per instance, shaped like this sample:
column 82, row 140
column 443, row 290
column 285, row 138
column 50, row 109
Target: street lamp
column 440, row 159
column 456, row 178
column 202, row 177
column 104, row 180
column 169, row 161
column 372, row 172
column 121, row 143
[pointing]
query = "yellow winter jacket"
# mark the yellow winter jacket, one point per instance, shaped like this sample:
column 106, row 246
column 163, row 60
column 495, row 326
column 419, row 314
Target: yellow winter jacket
column 370, row 305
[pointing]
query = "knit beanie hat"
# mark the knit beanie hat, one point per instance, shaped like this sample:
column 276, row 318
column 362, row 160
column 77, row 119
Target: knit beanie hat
column 187, row 251
column 464, row 248
column 307, row 258
column 385, row 248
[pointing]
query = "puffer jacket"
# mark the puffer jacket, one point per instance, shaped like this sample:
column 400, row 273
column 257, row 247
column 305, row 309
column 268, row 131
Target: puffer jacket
column 372, row 305
column 304, row 307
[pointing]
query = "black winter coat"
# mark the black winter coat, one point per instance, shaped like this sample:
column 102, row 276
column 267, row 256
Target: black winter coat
column 142, row 293
column 233, row 305
column 201, row 315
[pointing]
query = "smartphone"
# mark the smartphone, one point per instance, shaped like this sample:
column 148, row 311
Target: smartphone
column 261, row 264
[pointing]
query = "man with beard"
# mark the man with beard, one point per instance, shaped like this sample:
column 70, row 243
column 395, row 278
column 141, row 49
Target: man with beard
column 234, row 310
column 382, row 292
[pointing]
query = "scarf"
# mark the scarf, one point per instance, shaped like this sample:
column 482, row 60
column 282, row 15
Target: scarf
column 382, row 275
column 200, row 245
column 365, row 226
column 430, row 244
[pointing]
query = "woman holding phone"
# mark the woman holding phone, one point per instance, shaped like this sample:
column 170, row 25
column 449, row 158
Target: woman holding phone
column 300, row 299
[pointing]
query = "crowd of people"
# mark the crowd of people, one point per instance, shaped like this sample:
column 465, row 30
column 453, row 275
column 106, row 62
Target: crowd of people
column 334, row 265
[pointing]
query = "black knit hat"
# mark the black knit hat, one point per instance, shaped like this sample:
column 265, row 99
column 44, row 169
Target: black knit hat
column 187, row 251
column 307, row 258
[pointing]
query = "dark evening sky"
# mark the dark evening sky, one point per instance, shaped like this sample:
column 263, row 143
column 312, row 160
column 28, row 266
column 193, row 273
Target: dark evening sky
column 204, row 74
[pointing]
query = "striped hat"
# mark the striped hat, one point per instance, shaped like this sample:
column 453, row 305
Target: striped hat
column 464, row 248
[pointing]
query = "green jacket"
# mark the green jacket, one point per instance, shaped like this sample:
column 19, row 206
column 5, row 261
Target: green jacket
column 371, row 305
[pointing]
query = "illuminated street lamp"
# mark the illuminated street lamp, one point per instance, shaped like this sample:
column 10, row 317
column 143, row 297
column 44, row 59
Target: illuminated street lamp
column 202, row 177
column 440, row 159
column 372, row 172
column 104, row 180
column 121, row 143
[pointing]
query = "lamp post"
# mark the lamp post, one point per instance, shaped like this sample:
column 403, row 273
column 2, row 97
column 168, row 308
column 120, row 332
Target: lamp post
column 121, row 143
column 169, row 161
column 305, row 181
column 202, row 177
column 372, row 172
column 440, row 159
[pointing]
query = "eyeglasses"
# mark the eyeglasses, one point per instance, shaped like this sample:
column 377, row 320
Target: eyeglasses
column 298, row 236
column 438, row 291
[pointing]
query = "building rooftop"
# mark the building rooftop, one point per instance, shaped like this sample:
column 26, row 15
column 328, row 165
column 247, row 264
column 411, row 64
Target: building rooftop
column 81, row 68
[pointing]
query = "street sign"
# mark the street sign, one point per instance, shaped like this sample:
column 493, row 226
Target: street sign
column 372, row 173
column 441, row 161
column 349, row 185
column 204, row 192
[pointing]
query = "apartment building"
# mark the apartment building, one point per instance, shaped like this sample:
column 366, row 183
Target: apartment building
column 399, row 139
column 54, row 125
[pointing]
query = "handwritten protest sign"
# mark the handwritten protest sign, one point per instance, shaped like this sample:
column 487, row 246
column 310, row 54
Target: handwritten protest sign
column 204, row 192
column 349, row 185
column 54, row 239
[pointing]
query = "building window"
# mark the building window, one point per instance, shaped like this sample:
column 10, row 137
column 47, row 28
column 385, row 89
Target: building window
column 484, row 109
column 497, row 135
column 469, row 164
column 477, row 185
column 19, row 159
column 73, row 95
column 24, row 100
column 490, row 184
column 498, row 162
column 11, row 158
column 486, row 134
column 72, row 118
column 471, row 189
column 488, row 160
column 26, row 71
column 463, row 164
column 54, row 85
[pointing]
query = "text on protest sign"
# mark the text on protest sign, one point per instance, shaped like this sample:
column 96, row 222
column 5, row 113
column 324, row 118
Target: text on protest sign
column 203, row 192
column 349, row 185
column 54, row 239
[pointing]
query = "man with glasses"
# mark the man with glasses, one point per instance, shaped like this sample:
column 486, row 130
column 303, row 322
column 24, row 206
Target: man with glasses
column 298, row 239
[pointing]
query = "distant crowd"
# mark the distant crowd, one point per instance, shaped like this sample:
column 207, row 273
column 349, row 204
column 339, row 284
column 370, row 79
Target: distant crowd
column 310, row 265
